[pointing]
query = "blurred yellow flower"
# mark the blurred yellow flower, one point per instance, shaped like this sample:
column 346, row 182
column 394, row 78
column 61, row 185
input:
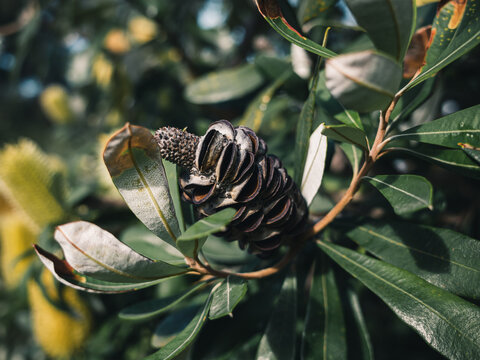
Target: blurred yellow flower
column 55, row 103
column 116, row 41
column 16, row 239
column 102, row 70
column 60, row 332
column 142, row 29
column 32, row 182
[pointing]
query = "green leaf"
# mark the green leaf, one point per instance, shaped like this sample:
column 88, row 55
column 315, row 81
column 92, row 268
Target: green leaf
column 220, row 251
column 304, row 129
column 406, row 193
column 172, row 179
column 94, row 252
column 362, row 335
column 455, row 31
column 151, row 308
column 363, row 81
column 227, row 296
column 443, row 257
column 192, row 240
column 253, row 116
column 346, row 133
column 460, row 127
column 388, row 23
column 278, row 341
column 455, row 160
column 271, row 11
column 324, row 331
column 310, row 9
column 354, row 155
column 446, row 322
column 350, row 117
column 224, row 85
column 133, row 160
column 64, row 273
column 474, row 153
column 186, row 336
column 172, row 325
column 314, row 164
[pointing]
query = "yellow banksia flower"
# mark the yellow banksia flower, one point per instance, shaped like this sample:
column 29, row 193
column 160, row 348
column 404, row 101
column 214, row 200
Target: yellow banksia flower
column 59, row 332
column 116, row 41
column 102, row 70
column 55, row 103
column 142, row 29
column 16, row 239
column 29, row 178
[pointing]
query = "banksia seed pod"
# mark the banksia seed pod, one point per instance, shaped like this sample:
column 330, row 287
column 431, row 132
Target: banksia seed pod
column 230, row 167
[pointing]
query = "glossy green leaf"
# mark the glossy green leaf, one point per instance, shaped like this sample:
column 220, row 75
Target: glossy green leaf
column 455, row 160
column 346, row 133
column 460, row 127
column 406, row 193
column 456, row 31
column 474, row 153
column 350, row 117
column 363, row 81
column 388, row 23
column 363, row 337
column 94, row 252
column 227, row 296
column 310, row 9
column 278, row 341
column 443, row 257
column 354, row 155
column 324, row 332
column 304, row 129
column 270, row 10
column 151, row 308
column 64, row 273
column 133, row 160
column 224, row 85
column 192, row 240
column 186, row 336
column 445, row 321
column 314, row 164
column 172, row 178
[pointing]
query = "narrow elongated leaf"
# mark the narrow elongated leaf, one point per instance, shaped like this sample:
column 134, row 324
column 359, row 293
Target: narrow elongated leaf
column 354, row 155
column 455, row 160
column 363, row 81
column 443, row 257
column 278, row 341
column 406, row 193
column 227, row 296
column 172, row 179
column 324, row 332
column 133, row 160
column 64, row 273
column 455, row 31
column 151, row 308
column 314, row 165
column 446, row 322
column 346, row 133
column 388, row 23
column 304, row 129
column 186, row 336
column 94, row 252
column 192, row 240
column 350, row 117
column 363, row 337
column 271, row 11
column 172, row 325
column 460, row 127
column 224, row 85
column 473, row 152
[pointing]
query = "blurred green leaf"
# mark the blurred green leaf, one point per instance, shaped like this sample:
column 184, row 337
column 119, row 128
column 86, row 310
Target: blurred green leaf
column 186, row 336
column 272, row 66
column 354, row 155
column 324, row 331
column 227, row 296
column 314, row 164
column 151, row 308
column 223, row 85
column 278, row 341
column 310, row 9
column 362, row 335
column 443, row 257
column 192, row 240
column 406, row 193
column 363, row 81
column 270, row 10
column 172, row 179
column 460, row 127
column 346, row 133
column 455, row 31
column 388, row 23
column 133, row 160
column 218, row 250
column 445, row 321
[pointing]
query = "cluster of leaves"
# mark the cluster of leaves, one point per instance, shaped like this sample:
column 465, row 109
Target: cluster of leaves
column 360, row 103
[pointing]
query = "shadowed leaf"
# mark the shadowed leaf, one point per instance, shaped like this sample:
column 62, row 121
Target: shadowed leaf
column 227, row 296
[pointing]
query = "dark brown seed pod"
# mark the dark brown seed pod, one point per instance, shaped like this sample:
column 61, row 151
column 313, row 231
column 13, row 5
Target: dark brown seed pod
column 230, row 167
